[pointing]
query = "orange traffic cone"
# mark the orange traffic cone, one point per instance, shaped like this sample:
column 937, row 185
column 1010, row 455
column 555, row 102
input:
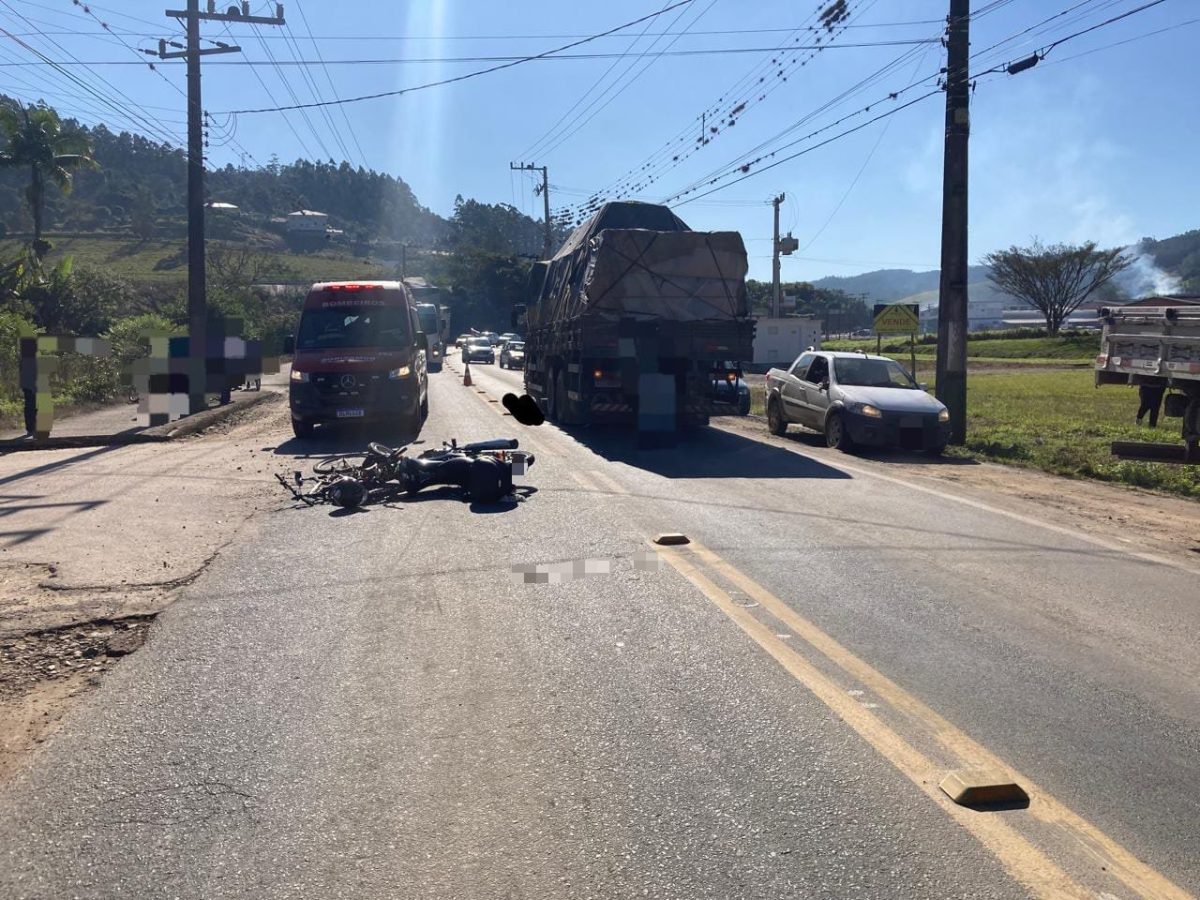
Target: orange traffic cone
column 467, row 376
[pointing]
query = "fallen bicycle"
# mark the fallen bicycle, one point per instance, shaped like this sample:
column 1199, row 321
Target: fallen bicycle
column 483, row 470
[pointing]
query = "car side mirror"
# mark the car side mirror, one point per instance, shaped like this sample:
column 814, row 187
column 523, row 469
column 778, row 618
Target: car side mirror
column 923, row 386
column 824, row 385
column 289, row 345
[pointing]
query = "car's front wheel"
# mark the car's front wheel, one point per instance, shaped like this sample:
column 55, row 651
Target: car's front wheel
column 302, row 428
column 836, row 434
column 776, row 423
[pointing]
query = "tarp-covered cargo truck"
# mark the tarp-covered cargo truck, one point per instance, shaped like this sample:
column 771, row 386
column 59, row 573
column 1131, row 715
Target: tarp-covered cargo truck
column 1156, row 345
column 635, row 318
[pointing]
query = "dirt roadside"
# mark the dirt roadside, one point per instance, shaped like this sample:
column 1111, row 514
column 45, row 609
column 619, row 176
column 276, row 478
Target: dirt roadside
column 99, row 541
column 1144, row 521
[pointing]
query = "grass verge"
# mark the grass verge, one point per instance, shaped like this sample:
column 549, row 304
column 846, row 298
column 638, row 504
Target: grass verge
column 1073, row 346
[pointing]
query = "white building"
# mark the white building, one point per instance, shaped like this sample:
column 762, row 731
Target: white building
column 982, row 314
column 307, row 220
column 782, row 340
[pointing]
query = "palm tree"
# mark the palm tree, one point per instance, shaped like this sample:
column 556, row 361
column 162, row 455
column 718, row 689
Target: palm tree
column 36, row 138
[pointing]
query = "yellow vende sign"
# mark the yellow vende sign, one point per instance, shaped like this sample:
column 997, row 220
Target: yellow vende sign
column 897, row 318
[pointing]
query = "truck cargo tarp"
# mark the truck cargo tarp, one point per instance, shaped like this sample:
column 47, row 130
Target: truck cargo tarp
column 681, row 276
column 621, row 214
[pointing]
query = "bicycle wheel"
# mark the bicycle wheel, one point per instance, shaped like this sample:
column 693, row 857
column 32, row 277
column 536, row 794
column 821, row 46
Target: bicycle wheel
column 345, row 464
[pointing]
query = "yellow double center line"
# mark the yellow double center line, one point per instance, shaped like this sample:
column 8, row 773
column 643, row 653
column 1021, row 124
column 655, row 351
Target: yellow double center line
column 1103, row 858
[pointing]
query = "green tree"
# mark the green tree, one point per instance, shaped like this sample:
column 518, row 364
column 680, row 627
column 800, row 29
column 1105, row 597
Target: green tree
column 37, row 140
column 1055, row 279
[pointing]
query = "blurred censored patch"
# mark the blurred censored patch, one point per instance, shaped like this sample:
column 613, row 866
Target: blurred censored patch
column 572, row 570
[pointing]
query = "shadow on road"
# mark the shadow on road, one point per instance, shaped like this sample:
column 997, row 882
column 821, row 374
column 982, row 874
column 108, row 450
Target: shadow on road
column 332, row 440
column 882, row 454
column 704, row 453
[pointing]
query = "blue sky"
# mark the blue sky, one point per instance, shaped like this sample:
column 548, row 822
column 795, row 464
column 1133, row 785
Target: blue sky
column 1098, row 146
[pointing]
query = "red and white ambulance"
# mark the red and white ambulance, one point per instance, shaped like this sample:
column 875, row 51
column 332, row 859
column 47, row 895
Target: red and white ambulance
column 359, row 356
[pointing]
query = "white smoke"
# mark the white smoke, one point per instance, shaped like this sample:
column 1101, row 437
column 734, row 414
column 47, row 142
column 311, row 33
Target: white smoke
column 1145, row 278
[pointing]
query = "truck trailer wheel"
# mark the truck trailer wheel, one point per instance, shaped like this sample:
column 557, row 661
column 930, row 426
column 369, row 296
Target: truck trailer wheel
column 776, row 423
column 565, row 409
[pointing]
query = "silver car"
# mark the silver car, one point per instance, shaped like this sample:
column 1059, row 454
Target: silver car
column 861, row 400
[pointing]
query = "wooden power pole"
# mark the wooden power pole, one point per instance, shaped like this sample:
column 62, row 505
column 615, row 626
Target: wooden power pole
column 952, row 294
column 197, row 296
column 544, row 190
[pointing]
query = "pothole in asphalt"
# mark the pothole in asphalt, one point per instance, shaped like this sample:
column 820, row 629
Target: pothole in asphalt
column 87, row 648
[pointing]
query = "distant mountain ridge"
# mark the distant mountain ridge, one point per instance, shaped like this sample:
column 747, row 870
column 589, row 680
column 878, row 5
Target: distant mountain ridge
column 891, row 285
column 1170, row 265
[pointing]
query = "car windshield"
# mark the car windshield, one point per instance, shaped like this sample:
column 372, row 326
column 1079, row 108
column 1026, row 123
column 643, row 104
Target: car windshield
column 375, row 326
column 479, row 342
column 515, row 346
column 866, row 372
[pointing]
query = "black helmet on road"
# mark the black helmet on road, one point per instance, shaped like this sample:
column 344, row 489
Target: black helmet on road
column 348, row 492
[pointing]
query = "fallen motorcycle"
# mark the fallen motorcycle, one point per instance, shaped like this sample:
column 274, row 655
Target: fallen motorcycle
column 483, row 470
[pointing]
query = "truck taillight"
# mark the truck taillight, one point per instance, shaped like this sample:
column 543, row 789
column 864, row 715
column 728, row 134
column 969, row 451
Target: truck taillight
column 1102, row 359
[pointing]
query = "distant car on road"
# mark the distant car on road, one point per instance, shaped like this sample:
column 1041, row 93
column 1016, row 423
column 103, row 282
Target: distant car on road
column 478, row 349
column 862, row 333
column 856, row 399
column 512, row 355
column 460, row 340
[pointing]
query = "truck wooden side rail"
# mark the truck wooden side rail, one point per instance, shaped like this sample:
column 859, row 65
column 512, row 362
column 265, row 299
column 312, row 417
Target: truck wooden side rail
column 1156, row 345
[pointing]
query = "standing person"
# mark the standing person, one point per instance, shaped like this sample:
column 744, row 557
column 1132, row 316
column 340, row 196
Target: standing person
column 28, row 379
column 1150, row 397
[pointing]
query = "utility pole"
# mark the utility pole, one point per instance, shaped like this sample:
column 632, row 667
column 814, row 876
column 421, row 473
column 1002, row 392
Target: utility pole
column 952, row 294
column 544, row 190
column 197, row 296
column 777, row 202
column 784, row 246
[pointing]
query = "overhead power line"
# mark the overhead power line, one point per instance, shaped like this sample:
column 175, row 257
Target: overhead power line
column 1136, row 37
column 672, row 155
column 476, row 74
column 704, row 127
column 362, row 157
column 287, row 120
column 1040, row 54
column 617, row 88
column 442, row 60
column 128, row 109
column 307, row 75
column 291, row 91
column 839, row 136
column 433, row 38
column 748, row 172
column 534, row 148
column 87, row 10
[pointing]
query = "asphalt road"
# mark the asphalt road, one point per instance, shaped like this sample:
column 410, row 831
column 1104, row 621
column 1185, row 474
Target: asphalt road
column 376, row 705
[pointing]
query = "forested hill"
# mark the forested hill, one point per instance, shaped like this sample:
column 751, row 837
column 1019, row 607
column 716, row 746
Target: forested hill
column 141, row 187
